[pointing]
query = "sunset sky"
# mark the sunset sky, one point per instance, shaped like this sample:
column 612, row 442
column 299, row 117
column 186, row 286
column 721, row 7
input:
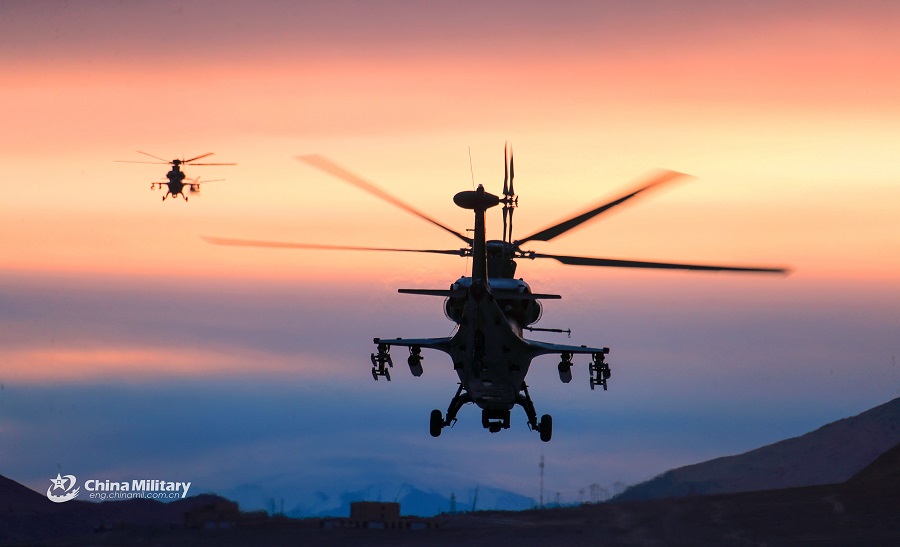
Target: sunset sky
column 129, row 347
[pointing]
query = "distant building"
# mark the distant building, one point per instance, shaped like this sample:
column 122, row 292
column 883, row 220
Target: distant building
column 374, row 514
column 384, row 515
column 220, row 513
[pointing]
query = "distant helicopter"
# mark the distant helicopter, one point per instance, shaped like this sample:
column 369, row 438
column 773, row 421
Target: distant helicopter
column 192, row 184
column 491, row 308
column 175, row 184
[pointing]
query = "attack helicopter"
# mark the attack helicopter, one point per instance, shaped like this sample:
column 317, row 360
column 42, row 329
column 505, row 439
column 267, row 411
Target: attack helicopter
column 176, row 177
column 193, row 186
column 490, row 307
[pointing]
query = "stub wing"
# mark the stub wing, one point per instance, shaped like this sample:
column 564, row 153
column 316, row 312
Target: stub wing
column 543, row 348
column 441, row 344
column 598, row 368
column 381, row 360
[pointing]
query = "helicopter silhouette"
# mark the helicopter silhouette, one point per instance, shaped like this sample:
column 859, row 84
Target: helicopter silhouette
column 176, row 177
column 490, row 307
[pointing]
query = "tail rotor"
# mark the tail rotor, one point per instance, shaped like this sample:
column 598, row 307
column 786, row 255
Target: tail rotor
column 510, row 200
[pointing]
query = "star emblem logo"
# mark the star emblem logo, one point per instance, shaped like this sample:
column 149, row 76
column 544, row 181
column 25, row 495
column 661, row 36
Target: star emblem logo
column 60, row 481
column 66, row 483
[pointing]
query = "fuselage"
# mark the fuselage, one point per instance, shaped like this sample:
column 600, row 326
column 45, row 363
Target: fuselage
column 488, row 351
column 176, row 181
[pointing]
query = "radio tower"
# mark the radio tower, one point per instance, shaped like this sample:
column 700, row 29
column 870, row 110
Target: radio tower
column 541, row 465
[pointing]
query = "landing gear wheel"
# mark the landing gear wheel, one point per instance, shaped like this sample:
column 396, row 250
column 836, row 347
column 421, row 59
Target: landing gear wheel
column 546, row 427
column 437, row 423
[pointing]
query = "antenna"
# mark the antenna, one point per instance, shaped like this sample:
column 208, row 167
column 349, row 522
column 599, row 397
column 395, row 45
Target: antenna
column 471, row 169
column 541, row 465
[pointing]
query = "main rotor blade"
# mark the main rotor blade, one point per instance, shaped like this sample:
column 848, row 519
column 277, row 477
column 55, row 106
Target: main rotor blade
column 560, row 228
column 512, row 172
column 617, row 263
column 153, row 162
column 505, row 173
column 194, row 164
column 156, row 157
column 327, row 166
column 198, row 157
column 318, row 246
column 506, row 211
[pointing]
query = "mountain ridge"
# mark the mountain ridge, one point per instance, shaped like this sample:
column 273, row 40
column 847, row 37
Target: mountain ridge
column 830, row 454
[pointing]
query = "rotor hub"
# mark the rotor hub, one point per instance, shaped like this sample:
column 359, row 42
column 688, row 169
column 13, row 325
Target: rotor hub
column 477, row 200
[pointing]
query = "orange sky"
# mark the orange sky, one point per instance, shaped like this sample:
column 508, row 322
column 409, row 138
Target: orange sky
column 788, row 124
